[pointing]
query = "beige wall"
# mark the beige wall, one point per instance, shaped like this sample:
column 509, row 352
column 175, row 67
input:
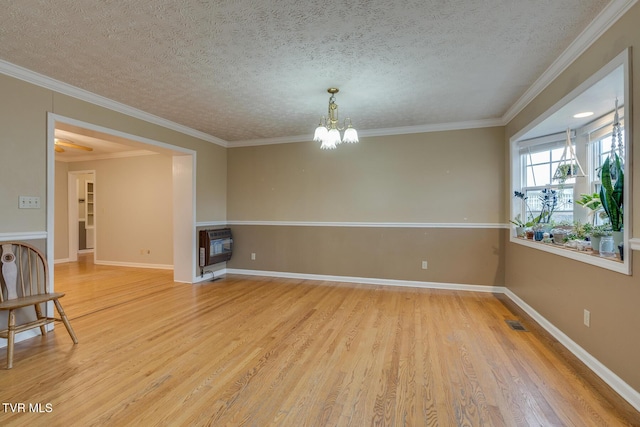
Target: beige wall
column 427, row 177
column 23, row 159
column 211, row 167
column 560, row 288
column 457, row 256
column 133, row 209
column 419, row 178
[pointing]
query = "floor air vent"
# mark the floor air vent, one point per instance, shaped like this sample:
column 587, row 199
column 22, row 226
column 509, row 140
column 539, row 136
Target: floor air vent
column 516, row 325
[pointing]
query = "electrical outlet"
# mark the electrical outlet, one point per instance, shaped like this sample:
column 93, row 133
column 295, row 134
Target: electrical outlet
column 424, row 265
column 587, row 318
column 253, row 256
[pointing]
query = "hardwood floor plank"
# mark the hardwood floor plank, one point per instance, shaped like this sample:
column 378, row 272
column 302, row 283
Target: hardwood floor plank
column 259, row 351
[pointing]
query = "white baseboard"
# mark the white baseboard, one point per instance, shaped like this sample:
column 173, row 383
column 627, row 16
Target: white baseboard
column 627, row 392
column 209, row 275
column 615, row 382
column 61, row 261
column 134, row 264
column 369, row 280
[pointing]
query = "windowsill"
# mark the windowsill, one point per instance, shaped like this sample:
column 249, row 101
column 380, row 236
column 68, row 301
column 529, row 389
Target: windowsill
column 588, row 257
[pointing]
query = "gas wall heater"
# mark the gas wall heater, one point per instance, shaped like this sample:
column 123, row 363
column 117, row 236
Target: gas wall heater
column 215, row 246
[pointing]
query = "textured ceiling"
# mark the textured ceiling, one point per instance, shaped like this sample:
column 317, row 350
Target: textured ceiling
column 252, row 69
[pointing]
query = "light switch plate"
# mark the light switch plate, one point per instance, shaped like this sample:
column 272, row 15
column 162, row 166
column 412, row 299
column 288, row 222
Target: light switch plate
column 29, row 202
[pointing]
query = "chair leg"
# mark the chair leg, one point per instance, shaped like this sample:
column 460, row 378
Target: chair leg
column 67, row 325
column 11, row 338
column 43, row 329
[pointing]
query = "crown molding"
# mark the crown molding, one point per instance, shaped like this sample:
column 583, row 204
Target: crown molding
column 37, row 79
column 605, row 19
column 471, row 124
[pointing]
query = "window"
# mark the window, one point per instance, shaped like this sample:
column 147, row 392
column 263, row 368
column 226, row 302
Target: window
column 536, row 154
column 553, row 198
column 540, row 164
column 600, row 152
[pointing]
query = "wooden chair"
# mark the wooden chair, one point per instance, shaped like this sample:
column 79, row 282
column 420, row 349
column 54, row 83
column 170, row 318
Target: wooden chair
column 23, row 283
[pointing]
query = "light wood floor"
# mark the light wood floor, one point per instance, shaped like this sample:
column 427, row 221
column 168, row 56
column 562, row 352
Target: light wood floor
column 280, row 352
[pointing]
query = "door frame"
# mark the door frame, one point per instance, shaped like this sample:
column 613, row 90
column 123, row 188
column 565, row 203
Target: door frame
column 73, row 215
column 184, row 201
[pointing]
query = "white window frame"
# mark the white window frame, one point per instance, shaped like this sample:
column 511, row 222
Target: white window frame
column 532, row 147
column 516, row 171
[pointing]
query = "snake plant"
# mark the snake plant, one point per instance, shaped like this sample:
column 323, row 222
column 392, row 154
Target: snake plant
column 612, row 193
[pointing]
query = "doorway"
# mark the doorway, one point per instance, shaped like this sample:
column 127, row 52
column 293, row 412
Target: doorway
column 183, row 201
column 81, row 212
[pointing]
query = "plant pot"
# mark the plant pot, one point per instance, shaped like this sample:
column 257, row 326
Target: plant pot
column 519, row 231
column 618, row 237
column 607, row 248
column 558, row 238
column 538, row 235
column 595, row 243
column 621, row 250
column 529, row 234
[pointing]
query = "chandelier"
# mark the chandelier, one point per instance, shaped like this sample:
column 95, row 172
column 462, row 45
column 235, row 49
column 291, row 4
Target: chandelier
column 328, row 131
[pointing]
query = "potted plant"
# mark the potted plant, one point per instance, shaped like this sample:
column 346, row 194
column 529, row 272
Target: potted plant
column 597, row 233
column 561, row 232
column 612, row 194
column 593, row 203
column 549, row 201
column 520, row 225
column 565, row 171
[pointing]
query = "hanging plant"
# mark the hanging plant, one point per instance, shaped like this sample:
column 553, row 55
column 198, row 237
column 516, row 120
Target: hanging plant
column 612, row 193
column 565, row 171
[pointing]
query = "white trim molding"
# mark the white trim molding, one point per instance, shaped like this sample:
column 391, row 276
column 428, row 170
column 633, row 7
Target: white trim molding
column 134, row 265
column 46, row 82
column 24, row 235
column 368, row 280
column 212, row 224
column 438, row 127
column 609, row 15
column 587, row 258
column 209, row 276
column 634, row 243
column 620, row 386
column 371, row 224
column 605, row 19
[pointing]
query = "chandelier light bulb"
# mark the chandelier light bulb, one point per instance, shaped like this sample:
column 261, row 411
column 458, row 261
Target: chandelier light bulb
column 328, row 131
column 334, row 136
column 350, row 135
column 320, row 134
column 328, row 143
